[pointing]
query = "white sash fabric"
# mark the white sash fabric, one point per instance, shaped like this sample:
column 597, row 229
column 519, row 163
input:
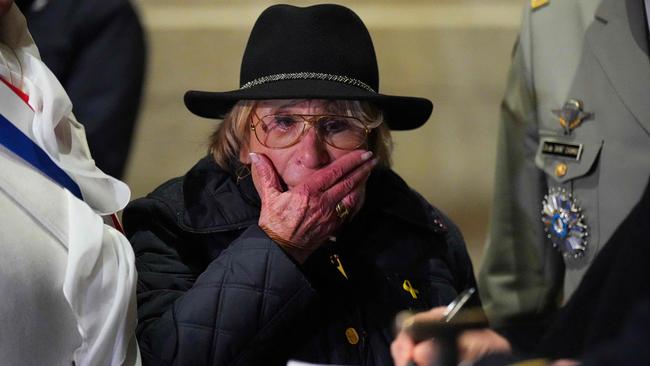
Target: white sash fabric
column 100, row 275
column 20, row 64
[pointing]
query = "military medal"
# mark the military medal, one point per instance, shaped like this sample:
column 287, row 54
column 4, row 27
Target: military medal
column 571, row 115
column 564, row 223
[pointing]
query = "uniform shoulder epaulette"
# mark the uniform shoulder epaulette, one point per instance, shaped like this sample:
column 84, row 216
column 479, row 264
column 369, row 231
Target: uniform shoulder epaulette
column 536, row 4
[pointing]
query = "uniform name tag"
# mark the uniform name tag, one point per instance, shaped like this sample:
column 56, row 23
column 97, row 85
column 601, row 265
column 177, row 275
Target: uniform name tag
column 562, row 149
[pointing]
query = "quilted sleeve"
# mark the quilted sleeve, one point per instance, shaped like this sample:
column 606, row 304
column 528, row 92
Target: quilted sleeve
column 236, row 312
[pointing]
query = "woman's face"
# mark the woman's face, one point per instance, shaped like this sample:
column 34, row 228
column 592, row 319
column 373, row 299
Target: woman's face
column 296, row 163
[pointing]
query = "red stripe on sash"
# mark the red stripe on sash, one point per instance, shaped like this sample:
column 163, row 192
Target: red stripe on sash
column 18, row 92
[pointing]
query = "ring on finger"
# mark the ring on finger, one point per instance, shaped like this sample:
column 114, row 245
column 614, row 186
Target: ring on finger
column 342, row 210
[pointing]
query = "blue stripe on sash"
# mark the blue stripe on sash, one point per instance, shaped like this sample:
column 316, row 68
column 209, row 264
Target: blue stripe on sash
column 18, row 143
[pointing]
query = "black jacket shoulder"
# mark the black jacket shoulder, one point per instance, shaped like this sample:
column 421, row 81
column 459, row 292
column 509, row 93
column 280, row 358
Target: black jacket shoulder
column 205, row 200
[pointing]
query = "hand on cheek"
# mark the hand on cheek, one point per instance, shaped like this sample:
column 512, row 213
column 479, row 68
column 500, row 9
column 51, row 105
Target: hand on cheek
column 304, row 217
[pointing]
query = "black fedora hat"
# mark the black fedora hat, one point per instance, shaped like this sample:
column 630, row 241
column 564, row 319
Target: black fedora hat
column 316, row 52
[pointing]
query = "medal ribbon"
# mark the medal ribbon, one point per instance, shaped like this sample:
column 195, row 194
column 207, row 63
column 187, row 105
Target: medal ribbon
column 18, row 143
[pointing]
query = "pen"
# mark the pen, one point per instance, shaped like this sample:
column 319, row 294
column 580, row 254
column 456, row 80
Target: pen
column 457, row 304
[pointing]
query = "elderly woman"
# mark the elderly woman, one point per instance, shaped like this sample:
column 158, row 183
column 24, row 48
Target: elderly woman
column 293, row 239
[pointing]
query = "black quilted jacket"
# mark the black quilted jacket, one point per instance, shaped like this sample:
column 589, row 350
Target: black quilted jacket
column 213, row 289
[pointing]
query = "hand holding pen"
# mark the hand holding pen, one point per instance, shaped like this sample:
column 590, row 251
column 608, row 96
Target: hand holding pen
column 429, row 337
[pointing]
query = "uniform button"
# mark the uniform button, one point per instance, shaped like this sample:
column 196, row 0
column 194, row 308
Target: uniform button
column 561, row 169
column 352, row 336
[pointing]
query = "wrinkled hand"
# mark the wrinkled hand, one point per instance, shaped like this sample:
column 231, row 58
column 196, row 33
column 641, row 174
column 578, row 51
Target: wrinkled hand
column 475, row 344
column 404, row 350
column 304, row 217
column 472, row 344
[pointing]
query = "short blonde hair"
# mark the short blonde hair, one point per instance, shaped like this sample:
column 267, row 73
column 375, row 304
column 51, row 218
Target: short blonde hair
column 233, row 133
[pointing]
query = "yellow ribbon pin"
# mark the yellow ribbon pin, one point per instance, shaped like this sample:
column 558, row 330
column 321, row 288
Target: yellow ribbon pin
column 410, row 289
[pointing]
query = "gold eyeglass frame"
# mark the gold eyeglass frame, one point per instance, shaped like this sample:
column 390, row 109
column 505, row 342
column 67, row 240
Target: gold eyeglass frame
column 311, row 120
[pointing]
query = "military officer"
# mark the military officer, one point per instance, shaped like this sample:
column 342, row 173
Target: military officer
column 574, row 153
column 573, row 160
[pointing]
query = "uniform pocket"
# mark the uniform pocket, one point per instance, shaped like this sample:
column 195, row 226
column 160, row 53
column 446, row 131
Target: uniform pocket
column 563, row 158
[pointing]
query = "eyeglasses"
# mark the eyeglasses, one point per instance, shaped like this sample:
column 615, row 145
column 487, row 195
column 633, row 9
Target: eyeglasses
column 279, row 131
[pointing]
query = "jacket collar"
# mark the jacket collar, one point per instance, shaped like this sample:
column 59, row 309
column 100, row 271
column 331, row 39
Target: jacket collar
column 214, row 201
column 388, row 194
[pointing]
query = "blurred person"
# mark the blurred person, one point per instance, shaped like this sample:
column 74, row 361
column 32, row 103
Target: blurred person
column 67, row 279
column 311, row 254
column 97, row 50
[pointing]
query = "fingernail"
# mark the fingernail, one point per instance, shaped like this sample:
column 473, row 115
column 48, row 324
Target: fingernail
column 374, row 162
column 366, row 155
column 254, row 157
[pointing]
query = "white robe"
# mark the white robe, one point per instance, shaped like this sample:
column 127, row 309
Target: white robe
column 67, row 280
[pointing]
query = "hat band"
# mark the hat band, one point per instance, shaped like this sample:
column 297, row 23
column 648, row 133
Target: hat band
column 306, row 76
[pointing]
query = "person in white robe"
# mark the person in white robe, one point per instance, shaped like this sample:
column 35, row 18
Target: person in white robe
column 67, row 274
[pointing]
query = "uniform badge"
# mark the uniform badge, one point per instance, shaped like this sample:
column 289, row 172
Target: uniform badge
column 564, row 223
column 571, row 115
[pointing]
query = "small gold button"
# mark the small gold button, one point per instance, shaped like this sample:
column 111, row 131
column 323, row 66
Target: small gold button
column 560, row 169
column 352, row 335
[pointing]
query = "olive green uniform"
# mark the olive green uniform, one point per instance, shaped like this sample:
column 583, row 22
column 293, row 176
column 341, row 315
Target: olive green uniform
column 596, row 52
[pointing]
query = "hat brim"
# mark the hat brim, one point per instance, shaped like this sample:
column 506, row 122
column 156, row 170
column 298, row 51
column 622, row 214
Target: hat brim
column 401, row 113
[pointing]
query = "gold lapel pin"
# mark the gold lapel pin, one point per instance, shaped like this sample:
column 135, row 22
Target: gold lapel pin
column 336, row 260
column 571, row 115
